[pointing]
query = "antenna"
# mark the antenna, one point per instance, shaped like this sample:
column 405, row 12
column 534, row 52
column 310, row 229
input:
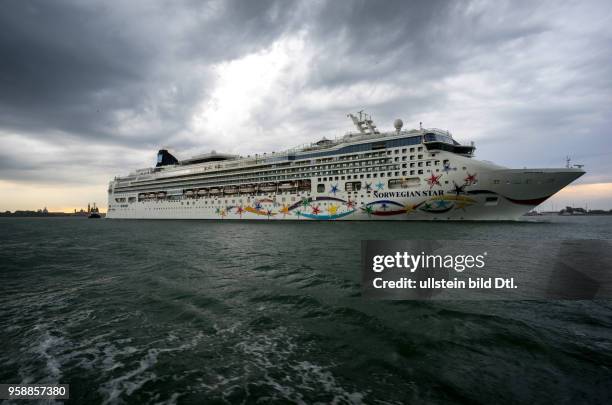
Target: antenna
column 421, row 125
column 567, row 162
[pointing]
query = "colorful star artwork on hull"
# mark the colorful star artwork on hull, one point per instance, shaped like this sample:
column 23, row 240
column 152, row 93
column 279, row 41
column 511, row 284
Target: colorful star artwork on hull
column 434, row 205
column 258, row 208
column 470, row 179
column 434, row 180
column 331, row 207
column 447, row 168
column 458, row 190
column 445, row 203
column 384, row 208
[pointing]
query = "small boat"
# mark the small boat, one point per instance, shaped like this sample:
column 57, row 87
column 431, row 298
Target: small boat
column 267, row 187
column 161, row 194
column 151, row 195
column 288, row 185
column 94, row 212
column 247, row 188
column 188, row 193
column 230, row 190
column 202, row 192
column 214, row 191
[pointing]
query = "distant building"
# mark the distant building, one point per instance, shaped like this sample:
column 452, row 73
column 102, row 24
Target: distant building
column 573, row 211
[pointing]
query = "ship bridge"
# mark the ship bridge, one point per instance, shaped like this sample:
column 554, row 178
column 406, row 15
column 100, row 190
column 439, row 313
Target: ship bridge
column 437, row 139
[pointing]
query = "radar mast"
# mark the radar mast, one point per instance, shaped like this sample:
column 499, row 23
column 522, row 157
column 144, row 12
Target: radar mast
column 364, row 123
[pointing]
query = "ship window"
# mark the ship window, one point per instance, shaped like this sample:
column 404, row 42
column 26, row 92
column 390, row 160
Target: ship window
column 491, row 199
column 404, row 150
column 411, row 157
column 353, row 186
column 420, row 148
column 411, row 149
column 320, row 188
column 421, row 171
column 404, row 183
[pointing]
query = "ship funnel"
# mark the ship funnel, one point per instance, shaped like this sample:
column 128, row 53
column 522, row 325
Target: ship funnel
column 165, row 158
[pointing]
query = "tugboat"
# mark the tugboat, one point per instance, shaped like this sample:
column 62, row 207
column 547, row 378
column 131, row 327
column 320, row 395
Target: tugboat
column 94, row 212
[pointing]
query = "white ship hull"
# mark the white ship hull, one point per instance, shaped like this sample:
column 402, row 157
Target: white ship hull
column 395, row 176
column 510, row 199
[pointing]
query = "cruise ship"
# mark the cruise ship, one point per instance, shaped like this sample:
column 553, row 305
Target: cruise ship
column 417, row 174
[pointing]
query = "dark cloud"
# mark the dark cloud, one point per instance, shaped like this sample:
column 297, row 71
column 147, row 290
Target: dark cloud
column 84, row 68
column 102, row 85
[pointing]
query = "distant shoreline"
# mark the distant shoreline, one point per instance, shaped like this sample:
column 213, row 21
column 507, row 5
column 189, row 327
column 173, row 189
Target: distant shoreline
column 34, row 214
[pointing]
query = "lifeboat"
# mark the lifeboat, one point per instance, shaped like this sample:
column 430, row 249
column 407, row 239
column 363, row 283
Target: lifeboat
column 247, row 188
column 287, row 185
column 142, row 196
column 304, row 185
column 189, row 193
column 267, row 187
column 230, row 190
column 151, row 195
column 214, row 191
column 161, row 194
column 202, row 191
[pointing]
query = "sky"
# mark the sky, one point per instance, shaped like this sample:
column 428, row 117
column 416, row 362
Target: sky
column 91, row 90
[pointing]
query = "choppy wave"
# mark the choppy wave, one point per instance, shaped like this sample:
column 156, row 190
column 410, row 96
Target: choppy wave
column 195, row 312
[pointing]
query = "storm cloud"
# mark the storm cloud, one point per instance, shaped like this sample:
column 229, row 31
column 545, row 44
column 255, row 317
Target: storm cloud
column 90, row 90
